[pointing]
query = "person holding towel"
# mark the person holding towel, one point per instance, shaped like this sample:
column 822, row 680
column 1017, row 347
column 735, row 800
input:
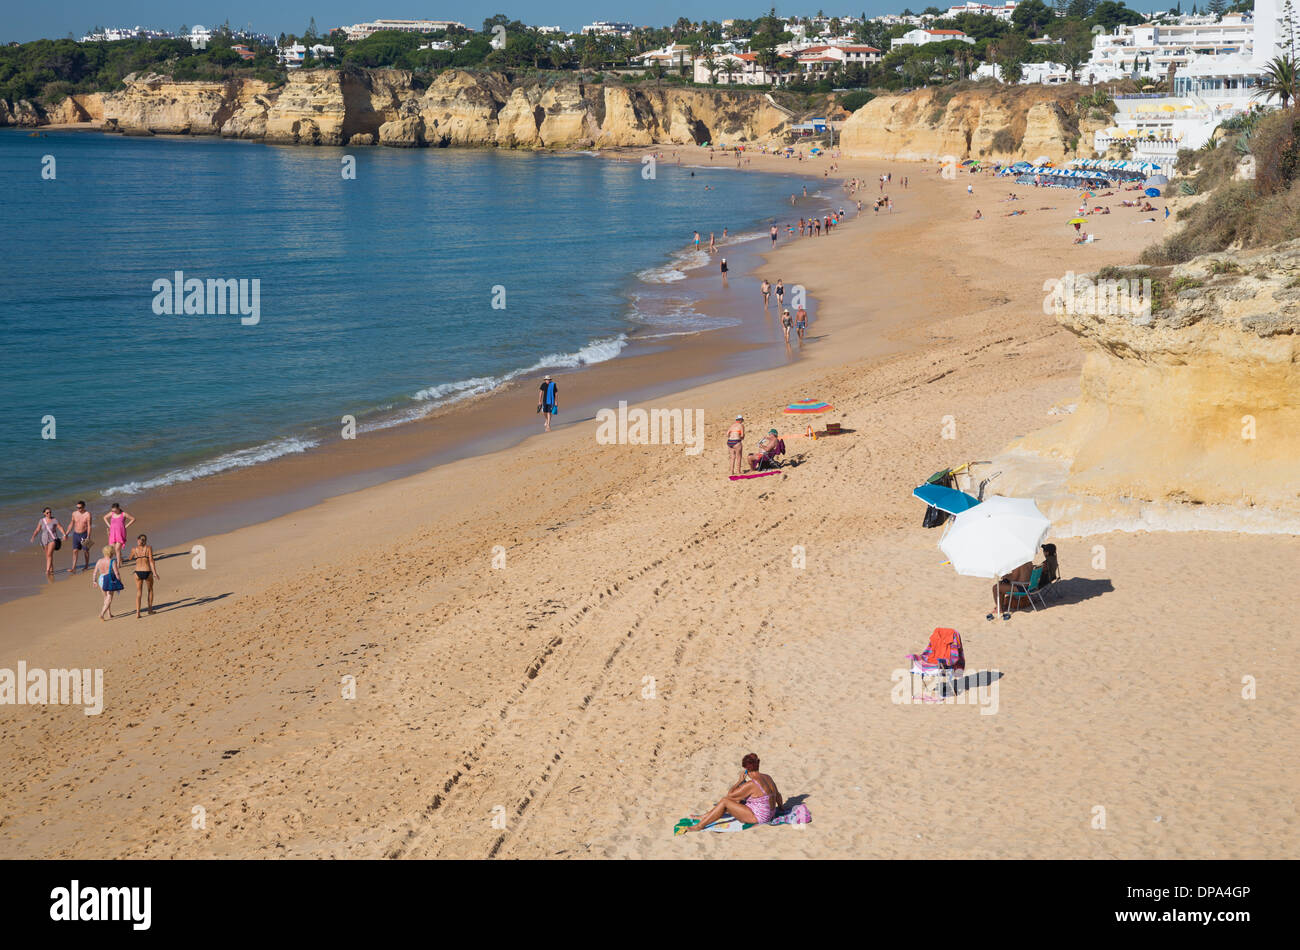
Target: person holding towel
column 546, row 400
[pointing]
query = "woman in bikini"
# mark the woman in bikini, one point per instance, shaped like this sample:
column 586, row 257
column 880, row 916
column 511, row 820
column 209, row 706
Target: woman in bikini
column 754, row 799
column 766, row 288
column 146, row 572
column 118, row 521
column 106, row 579
column 736, row 445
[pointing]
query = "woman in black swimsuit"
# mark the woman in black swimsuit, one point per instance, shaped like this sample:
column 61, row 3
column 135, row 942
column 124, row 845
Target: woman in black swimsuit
column 146, row 572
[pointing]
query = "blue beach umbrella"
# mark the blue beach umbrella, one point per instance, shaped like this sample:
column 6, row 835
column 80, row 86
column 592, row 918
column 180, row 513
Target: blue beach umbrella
column 1153, row 192
column 945, row 499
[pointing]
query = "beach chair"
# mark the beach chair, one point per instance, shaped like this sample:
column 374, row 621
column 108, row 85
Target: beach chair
column 938, row 666
column 1028, row 590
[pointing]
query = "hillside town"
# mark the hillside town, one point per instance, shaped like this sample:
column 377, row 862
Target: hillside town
column 1182, row 73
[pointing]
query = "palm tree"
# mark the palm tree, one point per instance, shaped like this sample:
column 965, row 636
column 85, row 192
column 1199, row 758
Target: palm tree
column 1279, row 80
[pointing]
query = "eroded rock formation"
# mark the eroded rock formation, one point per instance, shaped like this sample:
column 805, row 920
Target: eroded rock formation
column 1197, row 401
column 987, row 121
column 393, row 107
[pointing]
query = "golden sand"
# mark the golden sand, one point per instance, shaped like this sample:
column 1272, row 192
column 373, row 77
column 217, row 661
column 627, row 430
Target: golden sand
column 649, row 626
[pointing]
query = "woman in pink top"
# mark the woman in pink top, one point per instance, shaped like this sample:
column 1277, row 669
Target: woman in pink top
column 118, row 521
column 754, row 799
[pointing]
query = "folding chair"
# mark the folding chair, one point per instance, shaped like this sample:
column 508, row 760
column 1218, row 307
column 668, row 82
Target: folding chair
column 1028, row 590
column 939, row 665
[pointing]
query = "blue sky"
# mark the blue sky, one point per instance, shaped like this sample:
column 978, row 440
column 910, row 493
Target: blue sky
column 33, row 20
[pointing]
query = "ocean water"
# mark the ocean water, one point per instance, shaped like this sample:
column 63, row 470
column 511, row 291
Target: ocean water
column 375, row 294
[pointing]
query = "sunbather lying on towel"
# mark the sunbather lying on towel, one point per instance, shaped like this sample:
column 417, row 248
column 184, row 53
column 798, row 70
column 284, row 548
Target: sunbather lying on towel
column 754, row 799
column 769, row 448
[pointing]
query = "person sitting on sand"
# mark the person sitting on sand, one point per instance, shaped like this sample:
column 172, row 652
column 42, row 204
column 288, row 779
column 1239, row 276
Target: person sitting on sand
column 754, row 798
column 1005, row 585
column 1051, row 570
column 769, row 447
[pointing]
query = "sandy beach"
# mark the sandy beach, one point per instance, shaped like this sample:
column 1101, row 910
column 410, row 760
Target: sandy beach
column 560, row 648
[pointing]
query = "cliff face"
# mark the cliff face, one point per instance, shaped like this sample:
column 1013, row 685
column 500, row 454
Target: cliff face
column 1197, row 402
column 391, row 107
column 994, row 122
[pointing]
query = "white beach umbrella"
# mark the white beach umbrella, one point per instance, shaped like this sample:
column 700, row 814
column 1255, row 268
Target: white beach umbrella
column 995, row 537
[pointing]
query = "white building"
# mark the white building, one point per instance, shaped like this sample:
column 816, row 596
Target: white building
column 603, row 28
column 817, row 62
column 1217, row 76
column 1150, row 49
column 359, row 31
column 924, row 36
column 1002, row 11
column 672, row 56
column 113, row 34
column 737, row 69
column 293, row 56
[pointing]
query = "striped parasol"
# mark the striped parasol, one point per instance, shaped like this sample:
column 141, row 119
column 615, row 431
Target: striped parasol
column 807, row 406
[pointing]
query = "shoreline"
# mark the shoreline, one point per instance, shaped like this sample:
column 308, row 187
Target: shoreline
column 388, row 447
column 646, row 626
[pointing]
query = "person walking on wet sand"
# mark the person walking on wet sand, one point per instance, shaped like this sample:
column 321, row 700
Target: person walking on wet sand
column 766, row 288
column 80, row 524
column 146, row 572
column 786, row 323
column 118, row 521
column 724, row 272
column 547, row 394
column 736, row 445
column 801, row 322
column 52, row 535
column 773, row 231
column 780, row 292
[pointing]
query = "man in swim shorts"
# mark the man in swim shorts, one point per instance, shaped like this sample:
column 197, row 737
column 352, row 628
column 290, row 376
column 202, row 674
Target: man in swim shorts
column 801, row 322
column 80, row 523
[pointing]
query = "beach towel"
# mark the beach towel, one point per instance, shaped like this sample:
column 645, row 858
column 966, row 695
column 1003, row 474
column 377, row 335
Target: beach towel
column 945, row 649
column 775, row 471
column 797, row 815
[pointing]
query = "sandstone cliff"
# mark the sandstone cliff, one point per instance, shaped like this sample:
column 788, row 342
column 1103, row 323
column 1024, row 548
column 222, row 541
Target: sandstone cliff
column 1195, row 405
column 985, row 121
column 393, row 107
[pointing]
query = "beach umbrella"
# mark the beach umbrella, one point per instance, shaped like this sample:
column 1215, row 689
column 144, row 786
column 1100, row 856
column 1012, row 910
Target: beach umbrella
column 995, row 537
column 1077, row 221
column 1155, row 180
column 807, row 406
column 946, row 499
column 1152, row 192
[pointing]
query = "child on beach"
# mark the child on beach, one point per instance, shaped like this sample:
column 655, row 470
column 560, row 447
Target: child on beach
column 106, row 579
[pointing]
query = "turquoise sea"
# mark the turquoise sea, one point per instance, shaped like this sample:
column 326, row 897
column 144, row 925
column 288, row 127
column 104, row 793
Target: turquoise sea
column 375, row 293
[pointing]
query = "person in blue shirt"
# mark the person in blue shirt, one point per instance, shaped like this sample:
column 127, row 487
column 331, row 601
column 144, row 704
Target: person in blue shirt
column 547, row 394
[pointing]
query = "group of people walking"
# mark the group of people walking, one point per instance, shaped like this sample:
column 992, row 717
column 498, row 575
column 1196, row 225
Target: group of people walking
column 107, row 576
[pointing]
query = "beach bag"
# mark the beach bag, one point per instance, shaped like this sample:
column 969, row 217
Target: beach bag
column 800, row 815
column 933, row 516
column 58, row 543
